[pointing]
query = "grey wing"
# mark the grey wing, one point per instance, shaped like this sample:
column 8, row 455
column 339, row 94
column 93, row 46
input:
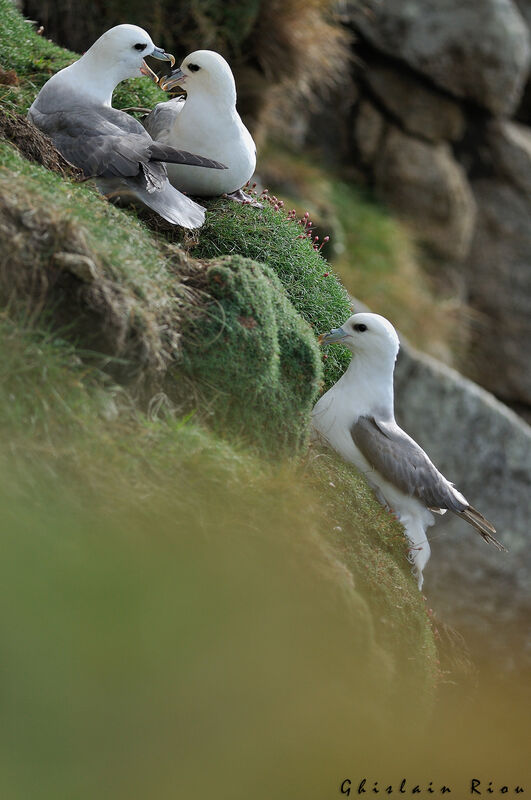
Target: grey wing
column 100, row 144
column 108, row 143
column 159, row 122
column 404, row 464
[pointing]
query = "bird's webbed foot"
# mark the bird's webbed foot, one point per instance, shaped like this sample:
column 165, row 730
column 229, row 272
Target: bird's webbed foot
column 239, row 196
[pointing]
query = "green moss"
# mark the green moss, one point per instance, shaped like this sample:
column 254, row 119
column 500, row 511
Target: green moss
column 35, row 59
column 255, row 355
column 268, row 236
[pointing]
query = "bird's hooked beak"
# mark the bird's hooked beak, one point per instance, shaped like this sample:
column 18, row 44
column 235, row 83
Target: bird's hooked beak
column 160, row 55
column 177, row 77
column 333, row 336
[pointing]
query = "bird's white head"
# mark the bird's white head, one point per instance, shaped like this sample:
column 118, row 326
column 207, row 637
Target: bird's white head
column 121, row 50
column 206, row 72
column 366, row 334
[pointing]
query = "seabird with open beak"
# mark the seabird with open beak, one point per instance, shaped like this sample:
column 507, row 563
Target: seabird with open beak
column 208, row 121
column 74, row 109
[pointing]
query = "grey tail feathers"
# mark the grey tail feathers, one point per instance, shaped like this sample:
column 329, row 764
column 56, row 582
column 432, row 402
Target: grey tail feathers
column 173, row 206
column 164, row 152
column 482, row 525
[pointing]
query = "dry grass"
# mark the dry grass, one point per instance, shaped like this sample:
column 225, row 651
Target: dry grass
column 34, row 145
column 300, row 44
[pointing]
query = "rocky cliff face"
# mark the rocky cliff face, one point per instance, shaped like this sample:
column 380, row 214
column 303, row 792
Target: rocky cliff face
column 431, row 128
column 486, row 450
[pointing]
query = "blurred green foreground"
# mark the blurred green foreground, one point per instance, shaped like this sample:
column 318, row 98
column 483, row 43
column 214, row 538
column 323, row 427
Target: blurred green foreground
column 174, row 624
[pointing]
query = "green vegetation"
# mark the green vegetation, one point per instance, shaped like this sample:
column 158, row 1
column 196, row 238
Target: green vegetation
column 269, row 237
column 183, row 579
column 264, row 377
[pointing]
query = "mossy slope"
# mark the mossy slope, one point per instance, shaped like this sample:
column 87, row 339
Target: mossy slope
column 175, row 561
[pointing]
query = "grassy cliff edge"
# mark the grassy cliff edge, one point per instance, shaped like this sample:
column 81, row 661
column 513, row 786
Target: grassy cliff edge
column 158, row 482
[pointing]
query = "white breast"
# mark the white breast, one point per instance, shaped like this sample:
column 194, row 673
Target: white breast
column 221, row 137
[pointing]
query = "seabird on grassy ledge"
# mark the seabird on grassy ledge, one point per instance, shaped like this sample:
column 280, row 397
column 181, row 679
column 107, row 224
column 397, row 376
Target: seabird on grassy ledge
column 74, row 109
column 207, row 121
column 356, row 417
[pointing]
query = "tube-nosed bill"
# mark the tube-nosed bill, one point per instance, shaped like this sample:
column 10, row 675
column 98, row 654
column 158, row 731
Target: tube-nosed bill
column 176, row 78
column 160, row 55
column 333, row 336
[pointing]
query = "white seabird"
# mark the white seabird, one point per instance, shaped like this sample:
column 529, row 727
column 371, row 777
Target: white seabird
column 356, row 417
column 74, row 109
column 208, row 122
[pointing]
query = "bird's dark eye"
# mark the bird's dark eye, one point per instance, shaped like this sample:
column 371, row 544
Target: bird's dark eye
column 360, row 327
column 140, row 46
column 193, row 67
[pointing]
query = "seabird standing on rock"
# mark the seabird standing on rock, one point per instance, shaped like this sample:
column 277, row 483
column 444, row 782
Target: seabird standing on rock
column 356, row 417
column 208, row 122
column 74, row 109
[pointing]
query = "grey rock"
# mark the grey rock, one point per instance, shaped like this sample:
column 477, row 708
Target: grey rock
column 424, row 184
column 499, row 281
column 510, row 152
column 474, row 50
column 419, row 109
column 368, row 131
column 524, row 6
column 485, row 448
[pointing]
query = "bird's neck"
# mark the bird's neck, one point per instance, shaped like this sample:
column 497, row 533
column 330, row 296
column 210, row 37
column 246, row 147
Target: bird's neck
column 370, row 384
column 97, row 81
column 222, row 103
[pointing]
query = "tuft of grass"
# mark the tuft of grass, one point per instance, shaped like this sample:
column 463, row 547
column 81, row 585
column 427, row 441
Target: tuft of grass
column 92, row 267
column 46, row 390
column 142, row 593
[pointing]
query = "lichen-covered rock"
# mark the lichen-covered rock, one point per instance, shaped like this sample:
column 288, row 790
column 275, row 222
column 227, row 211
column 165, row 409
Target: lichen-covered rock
column 423, row 183
column 476, row 50
column 419, row 109
column 486, row 450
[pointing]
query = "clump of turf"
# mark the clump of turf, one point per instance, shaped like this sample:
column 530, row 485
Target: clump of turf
column 270, row 237
column 254, row 353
